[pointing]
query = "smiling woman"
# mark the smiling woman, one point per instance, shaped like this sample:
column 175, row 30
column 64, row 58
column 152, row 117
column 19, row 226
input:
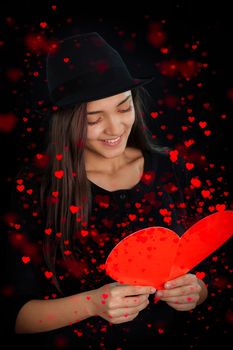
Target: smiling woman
column 107, row 138
column 105, row 179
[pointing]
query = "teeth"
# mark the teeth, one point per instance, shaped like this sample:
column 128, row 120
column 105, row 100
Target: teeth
column 112, row 141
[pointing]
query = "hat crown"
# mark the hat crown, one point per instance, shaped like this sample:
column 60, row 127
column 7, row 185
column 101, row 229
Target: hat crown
column 79, row 54
column 84, row 67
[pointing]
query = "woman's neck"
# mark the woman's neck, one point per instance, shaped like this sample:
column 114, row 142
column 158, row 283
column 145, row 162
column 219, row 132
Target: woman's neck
column 97, row 163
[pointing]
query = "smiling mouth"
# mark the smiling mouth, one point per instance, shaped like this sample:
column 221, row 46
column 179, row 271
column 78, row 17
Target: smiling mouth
column 113, row 142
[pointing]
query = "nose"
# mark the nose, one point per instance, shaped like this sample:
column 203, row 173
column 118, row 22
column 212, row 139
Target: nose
column 113, row 127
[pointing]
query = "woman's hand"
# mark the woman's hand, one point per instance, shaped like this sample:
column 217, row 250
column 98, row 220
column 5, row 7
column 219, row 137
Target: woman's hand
column 118, row 303
column 183, row 293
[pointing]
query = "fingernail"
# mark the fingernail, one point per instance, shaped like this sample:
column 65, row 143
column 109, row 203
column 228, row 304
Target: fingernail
column 167, row 285
column 159, row 293
column 152, row 290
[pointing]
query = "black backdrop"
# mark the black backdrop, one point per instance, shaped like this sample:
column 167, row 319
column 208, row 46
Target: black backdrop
column 188, row 49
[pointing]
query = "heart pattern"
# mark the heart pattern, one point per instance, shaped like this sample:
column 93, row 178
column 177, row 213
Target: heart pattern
column 154, row 255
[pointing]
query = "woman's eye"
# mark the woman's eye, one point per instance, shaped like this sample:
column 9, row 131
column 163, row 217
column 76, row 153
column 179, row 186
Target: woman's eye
column 126, row 110
column 121, row 111
column 93, row 123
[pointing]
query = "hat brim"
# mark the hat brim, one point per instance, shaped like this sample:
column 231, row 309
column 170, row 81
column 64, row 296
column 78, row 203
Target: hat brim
column 98, row 95
column 73, row 100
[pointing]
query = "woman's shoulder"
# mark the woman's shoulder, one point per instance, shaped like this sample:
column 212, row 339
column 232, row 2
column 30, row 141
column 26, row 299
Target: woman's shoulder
column 167, row 156
column 168, row 164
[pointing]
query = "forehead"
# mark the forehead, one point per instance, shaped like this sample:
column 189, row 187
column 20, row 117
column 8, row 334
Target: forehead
column 108, row 101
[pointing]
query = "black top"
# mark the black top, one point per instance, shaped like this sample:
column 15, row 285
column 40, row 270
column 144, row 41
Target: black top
column 165, row 184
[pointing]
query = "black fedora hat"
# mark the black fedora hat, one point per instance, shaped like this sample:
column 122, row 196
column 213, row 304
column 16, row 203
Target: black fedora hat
column 84, row 68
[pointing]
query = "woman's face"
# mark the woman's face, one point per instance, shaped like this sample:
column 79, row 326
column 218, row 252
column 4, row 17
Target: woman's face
column 109, row 122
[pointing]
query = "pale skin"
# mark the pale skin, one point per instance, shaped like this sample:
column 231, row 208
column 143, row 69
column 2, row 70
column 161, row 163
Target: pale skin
column 113, row 117
column 114, row 302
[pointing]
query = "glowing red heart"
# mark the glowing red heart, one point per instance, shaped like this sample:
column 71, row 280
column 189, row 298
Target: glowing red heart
column 155, row 255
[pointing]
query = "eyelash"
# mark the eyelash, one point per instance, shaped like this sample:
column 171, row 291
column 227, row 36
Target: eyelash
column 122, row 111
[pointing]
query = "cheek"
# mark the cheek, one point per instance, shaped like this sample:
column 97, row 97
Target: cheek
column 92, row 133
column 131, row 120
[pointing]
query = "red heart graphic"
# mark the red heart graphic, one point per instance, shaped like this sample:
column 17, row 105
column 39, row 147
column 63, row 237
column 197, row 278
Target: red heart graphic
column 155, row 255
column 26, row 259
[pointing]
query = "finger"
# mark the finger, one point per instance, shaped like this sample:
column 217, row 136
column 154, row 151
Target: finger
column 182, row 307
column 179, row 291
column 125, row 290
column 125, row 318
column 138, row 308
column 128, row 302
column 187, row 279
column 127, row 311
column 135, row 301
column 192, row 298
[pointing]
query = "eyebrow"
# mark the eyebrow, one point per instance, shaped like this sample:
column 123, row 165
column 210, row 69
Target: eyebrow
column 120, row 103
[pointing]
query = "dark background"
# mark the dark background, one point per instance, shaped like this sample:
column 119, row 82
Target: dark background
column 187, row 46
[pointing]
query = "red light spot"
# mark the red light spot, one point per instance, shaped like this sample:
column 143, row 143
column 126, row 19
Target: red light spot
column 105, row 295
column 67, row 252
column 20, row 188
column 191, row 119
column 55, row 194
column 202, row 124
column 189, row 166
column 25, row 259
column 161, row 331
column 207, row 132
column 84, row 233
column 164, row 50
column 59, row 156
column 74, row 209
column 7, row 122
column 154, row 114
column 205, row 194
column 156, row 36
column 48, row 274
column 189, row 143
column 59, row 174
column 14, row 74
column 220, row 207
column 43, row 25
column 36, row 43
column 196, row 182
column 101, row 67
column 48, row 231
column 132, row 217
column 174, row 155
column 229, row 316
column 200, row 275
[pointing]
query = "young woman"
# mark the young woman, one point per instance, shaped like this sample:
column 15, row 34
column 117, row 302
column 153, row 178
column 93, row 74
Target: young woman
column 103, row 180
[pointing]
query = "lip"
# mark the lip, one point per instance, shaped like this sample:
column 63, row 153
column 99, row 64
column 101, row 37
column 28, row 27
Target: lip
column 108, row 144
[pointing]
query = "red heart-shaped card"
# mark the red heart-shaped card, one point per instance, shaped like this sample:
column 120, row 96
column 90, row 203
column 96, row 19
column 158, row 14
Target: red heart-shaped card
column 155, row 255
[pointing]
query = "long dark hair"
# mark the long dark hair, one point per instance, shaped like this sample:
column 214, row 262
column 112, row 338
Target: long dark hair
column 66, row 177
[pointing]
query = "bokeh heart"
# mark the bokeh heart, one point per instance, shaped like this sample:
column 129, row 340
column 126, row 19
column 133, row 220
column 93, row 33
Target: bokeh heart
column 155, row 255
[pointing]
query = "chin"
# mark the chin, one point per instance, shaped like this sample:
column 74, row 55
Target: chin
column 112, row 154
